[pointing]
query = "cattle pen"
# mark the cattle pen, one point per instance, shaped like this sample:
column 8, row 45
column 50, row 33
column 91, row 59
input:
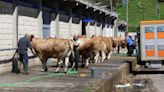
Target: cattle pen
column 62, row 19
column 51, row 18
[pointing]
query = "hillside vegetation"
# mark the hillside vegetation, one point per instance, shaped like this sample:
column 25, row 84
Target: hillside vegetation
column 140, row 11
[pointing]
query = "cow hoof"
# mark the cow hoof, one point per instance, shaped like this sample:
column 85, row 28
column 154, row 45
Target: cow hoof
column 65, row 72
column 46, row 69
column 86, row 66
column 43, row 70
column 57, row 72
column 82, row 66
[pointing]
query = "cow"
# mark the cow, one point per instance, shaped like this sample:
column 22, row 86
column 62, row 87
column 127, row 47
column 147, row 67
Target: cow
column 84, row 50
column 108, row 42
column 92, row 49
column 52, row 48
column 117, row 43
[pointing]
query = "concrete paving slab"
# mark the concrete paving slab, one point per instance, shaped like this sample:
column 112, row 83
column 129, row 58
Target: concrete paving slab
column 49, row 81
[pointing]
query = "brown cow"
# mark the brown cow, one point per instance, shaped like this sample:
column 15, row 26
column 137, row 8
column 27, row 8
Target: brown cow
column 84, row 50
column 108, row 42
column 52, row 48
column 118, row 42
column 93, row 47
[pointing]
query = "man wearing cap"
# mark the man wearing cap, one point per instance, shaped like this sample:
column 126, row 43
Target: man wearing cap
column 23, row 45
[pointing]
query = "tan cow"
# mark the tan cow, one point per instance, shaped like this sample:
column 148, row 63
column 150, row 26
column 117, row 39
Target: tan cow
column 52, row 48
column 117, row 43
column 108, row 42
column 84, row 50
column 92, row 47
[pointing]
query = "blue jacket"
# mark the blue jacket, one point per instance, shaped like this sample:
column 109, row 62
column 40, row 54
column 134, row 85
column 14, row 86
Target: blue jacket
column 23, row 45
column 129, row 41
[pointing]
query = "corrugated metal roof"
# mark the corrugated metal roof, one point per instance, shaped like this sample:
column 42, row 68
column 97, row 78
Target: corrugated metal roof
column 91, row 4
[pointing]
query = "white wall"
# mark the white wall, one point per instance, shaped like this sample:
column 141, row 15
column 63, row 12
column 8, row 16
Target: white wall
column 76, row 26
column 92, row 30
column 6, row 29
column 53, row 25
column 98, row 30
column 64, row 31
column 27, row 21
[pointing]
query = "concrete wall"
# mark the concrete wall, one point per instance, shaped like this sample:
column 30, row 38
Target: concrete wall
column 64, row 31
column 27, row 21
column 6, row 29
column 53, row 25
column 108, row 85
column 98, row 30
column 76, row 26
column 92, row 30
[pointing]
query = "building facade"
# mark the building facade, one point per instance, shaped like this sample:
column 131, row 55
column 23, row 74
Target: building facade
column 51, row 18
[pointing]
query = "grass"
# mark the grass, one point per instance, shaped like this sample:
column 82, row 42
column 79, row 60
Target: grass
column 137, row 14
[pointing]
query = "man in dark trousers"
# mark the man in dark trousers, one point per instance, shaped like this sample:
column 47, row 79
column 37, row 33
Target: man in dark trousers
column 129, row 44
column 23, row 45
column 75, row 58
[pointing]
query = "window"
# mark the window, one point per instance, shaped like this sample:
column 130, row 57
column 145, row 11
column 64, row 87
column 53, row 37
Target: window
column 149, row 29
column 150, row 47
column 160, row 47
column 160, row 29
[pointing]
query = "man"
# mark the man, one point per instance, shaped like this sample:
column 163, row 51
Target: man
column 129, row 44
column 75, row 58
column 23, row 45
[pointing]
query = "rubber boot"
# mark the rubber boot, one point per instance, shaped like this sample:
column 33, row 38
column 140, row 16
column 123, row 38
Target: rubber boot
column 26, row 69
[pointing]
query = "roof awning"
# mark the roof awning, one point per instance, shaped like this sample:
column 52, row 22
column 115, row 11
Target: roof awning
column 88, row 20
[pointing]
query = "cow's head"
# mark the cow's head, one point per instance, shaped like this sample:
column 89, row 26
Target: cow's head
column 123, row 42
column 31, row 37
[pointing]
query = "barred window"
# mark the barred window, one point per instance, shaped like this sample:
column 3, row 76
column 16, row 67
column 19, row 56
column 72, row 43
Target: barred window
column 160, row 47
column 160, row 29
column 149, row 29
column 150, row 47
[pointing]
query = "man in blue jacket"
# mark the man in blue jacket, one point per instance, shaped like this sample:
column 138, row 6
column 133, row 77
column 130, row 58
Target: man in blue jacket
column 23, row 45
column 129, row 45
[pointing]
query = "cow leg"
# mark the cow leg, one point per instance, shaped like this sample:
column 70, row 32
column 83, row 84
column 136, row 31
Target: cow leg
column 66, row 63
column 96, row 57
column 118, row 50
column 60, row 61
column 44, row 64
column 109, row 55
column 102, row 56
column 44, row 67
column 87, row 63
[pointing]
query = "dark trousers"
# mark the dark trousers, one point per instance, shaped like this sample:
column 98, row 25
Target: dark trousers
column 75, row 59
column 130, row 50
column 24, row 60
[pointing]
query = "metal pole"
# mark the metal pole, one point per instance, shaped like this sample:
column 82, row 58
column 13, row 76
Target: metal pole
column 158, row 10
column 127, row 14
column 111, row 5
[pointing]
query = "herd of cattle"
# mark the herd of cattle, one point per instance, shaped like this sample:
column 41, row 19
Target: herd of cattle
column 94, row 49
